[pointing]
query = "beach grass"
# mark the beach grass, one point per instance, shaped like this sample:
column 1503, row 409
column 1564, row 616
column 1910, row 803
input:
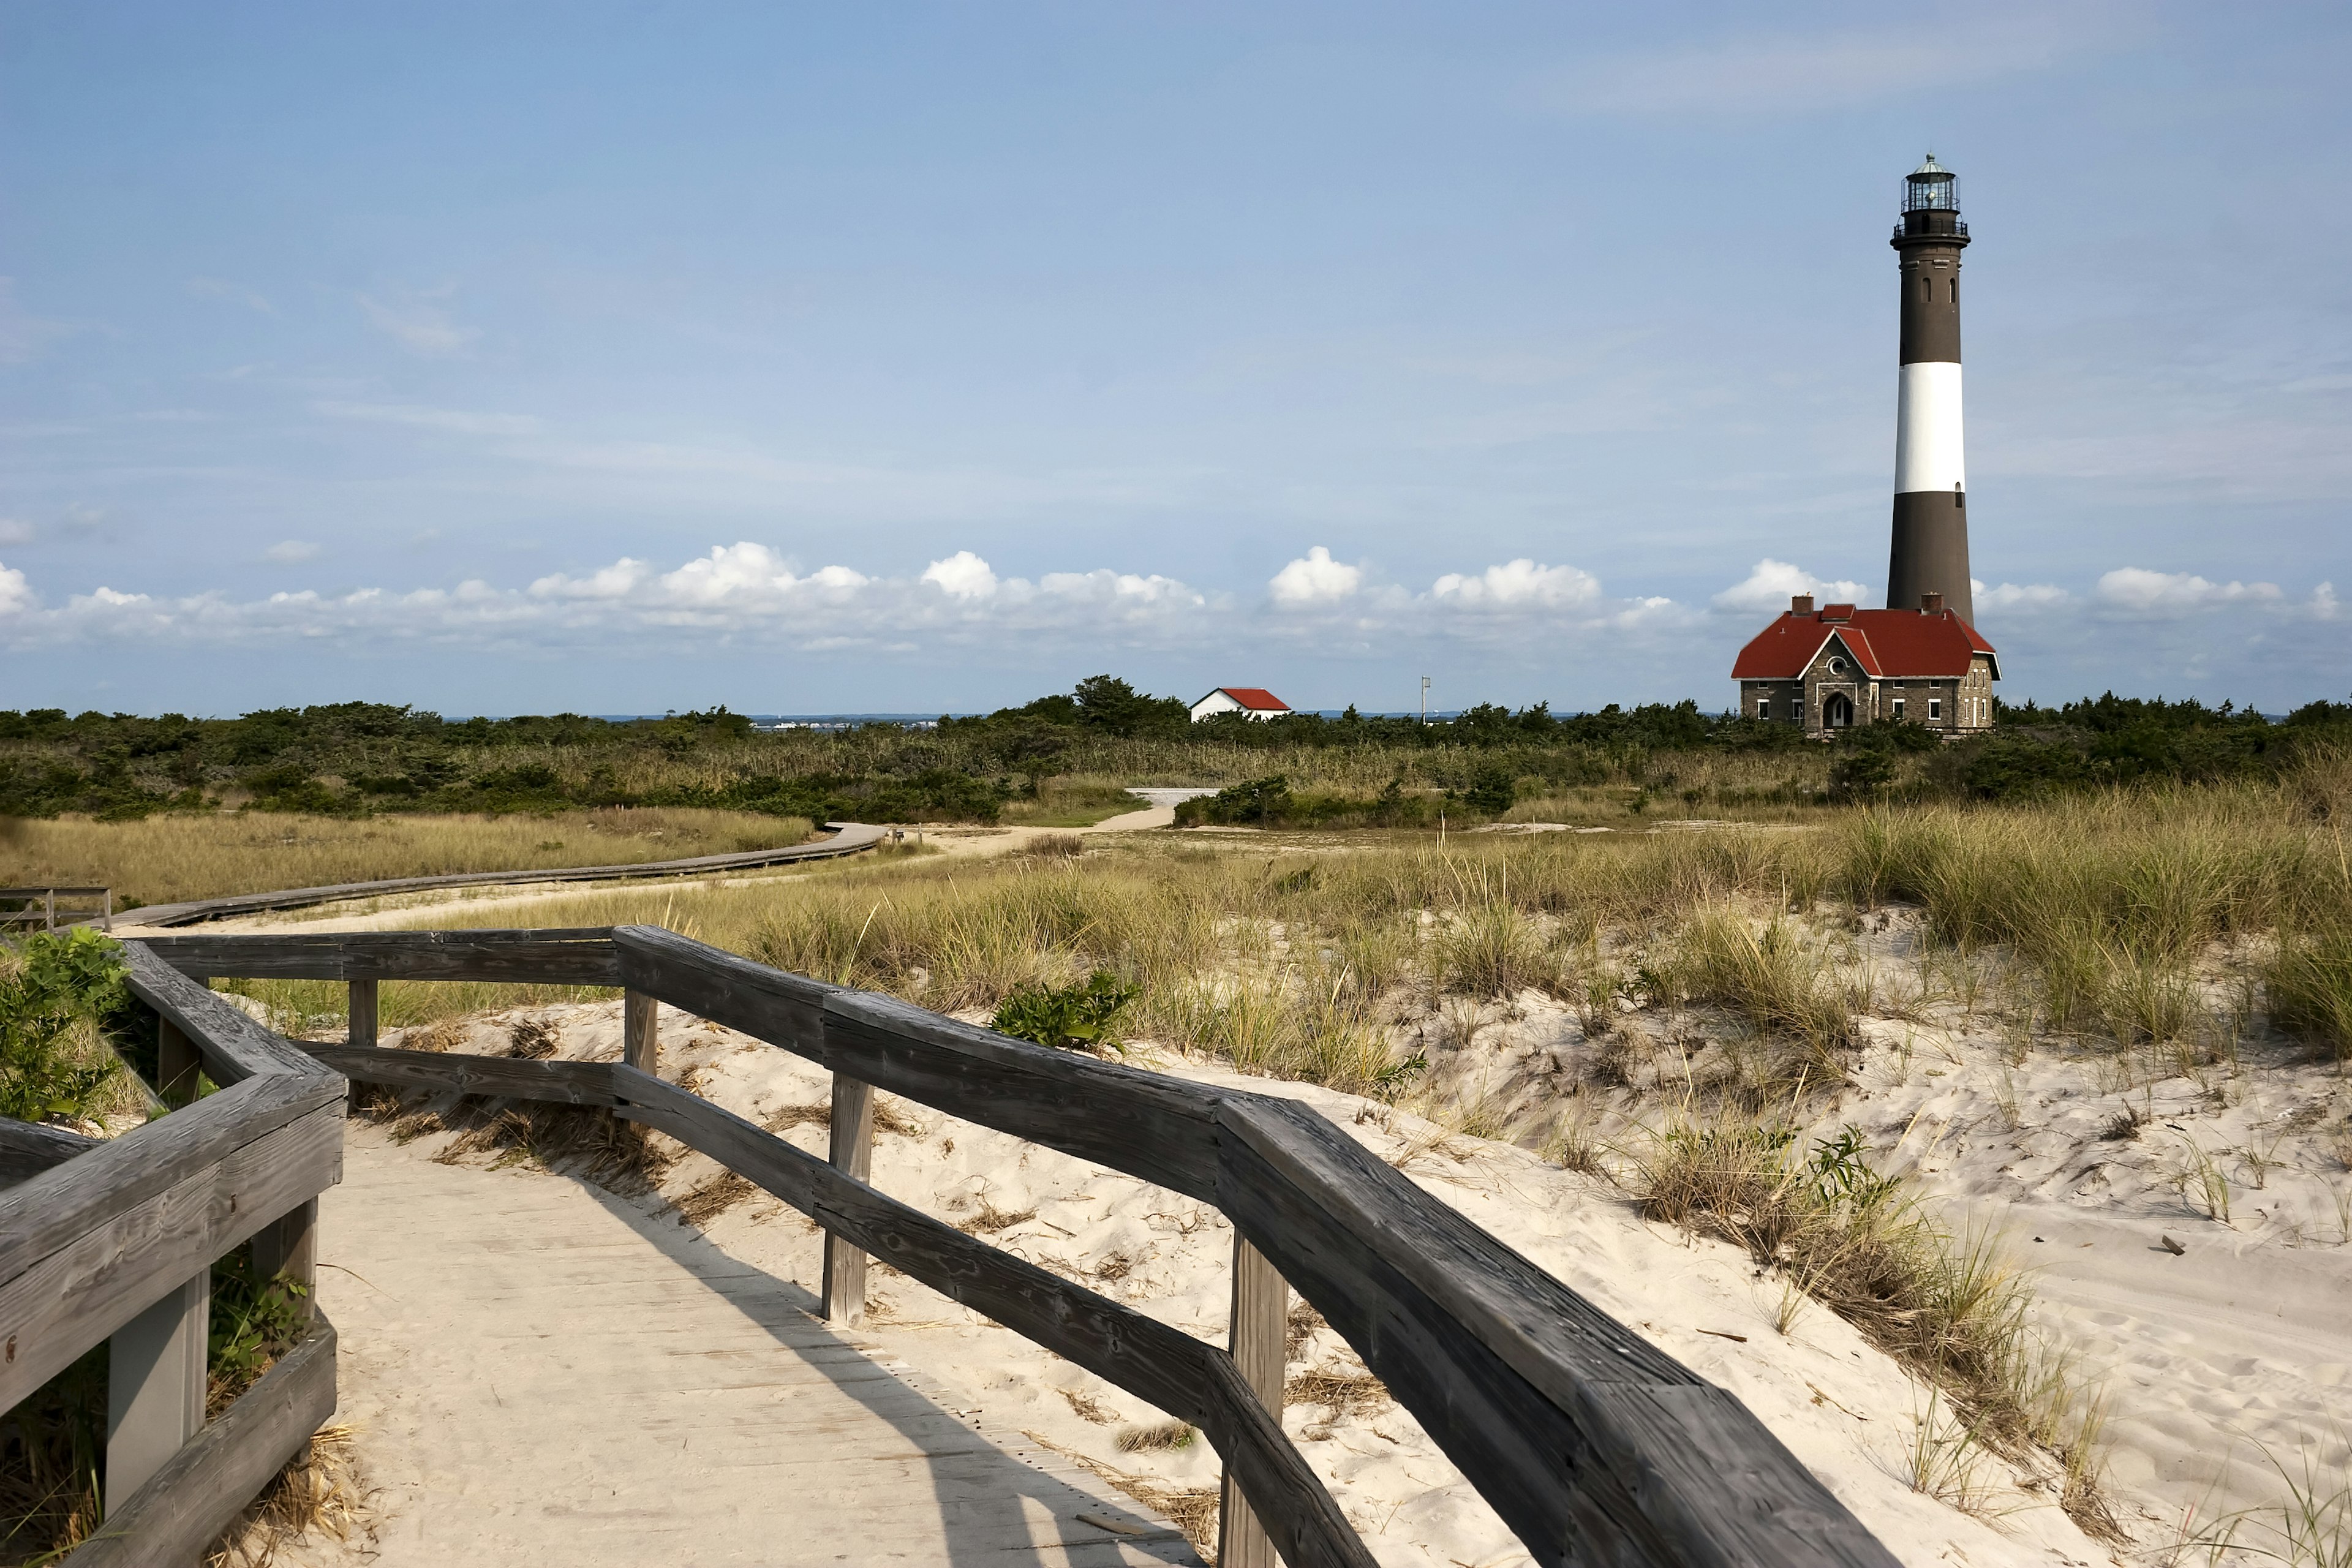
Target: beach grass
column 164, row 860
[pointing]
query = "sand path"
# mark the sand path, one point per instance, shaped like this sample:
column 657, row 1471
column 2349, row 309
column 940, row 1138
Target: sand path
column 504, row 902
column 541, row 1372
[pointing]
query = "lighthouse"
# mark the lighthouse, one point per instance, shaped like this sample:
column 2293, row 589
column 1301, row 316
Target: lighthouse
column 1919, row 661
column 1930, row 553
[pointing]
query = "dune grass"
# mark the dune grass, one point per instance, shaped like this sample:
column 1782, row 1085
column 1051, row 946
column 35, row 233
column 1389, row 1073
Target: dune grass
column 1953, row 1309
column 2101, row 920
column 164, row 860
column 1070, row 800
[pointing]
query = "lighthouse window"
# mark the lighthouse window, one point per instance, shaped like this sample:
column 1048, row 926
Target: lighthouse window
column 1956, row 291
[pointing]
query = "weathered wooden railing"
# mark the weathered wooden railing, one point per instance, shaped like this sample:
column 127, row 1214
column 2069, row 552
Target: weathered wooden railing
column 113, row 1242
column 1594, row 1448
column 38, row 907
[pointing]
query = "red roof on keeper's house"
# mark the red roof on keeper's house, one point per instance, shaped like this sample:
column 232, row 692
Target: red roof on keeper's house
column 1256, row 699
column 1889, row 644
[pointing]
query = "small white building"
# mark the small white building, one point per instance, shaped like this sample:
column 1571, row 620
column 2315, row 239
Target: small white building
column 1254, row 701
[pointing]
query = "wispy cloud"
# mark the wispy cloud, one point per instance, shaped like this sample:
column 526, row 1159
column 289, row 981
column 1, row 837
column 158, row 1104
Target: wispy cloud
column 24, row 334
column 1780, row 72
column 459, row 421
column 420, row 323
column 291, row 550
column 221, row 289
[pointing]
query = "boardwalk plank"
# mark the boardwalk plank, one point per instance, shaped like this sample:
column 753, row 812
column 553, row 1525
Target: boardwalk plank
column 544, row 1374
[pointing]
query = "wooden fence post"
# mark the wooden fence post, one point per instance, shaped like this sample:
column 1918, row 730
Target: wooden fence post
column 176, row 1064
column 155, row 1387
column 1258, row 1339
column 364, row 1013
column 852, row 1155
column 288, row 1244
column 640, row 1039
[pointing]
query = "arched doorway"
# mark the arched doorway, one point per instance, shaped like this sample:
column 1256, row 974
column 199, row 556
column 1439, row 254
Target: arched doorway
column 1837, row 711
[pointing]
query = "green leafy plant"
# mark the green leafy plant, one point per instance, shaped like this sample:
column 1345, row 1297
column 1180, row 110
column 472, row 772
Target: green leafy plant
column 53, row 992
column 1069, row 1017
column 1398, row 1076
column 254, row 1321
column 1841, row 1177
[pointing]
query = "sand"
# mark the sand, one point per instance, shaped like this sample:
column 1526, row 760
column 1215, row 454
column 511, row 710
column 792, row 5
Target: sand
column 1846, row 1410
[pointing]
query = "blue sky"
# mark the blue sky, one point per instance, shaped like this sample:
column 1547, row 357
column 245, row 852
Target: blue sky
column 623, row 357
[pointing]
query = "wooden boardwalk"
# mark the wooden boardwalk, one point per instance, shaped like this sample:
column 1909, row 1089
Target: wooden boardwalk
column 542, row 1374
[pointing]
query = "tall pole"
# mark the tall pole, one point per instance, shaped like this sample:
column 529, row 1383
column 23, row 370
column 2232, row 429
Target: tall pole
column 1930, row 548
column 1424, row 699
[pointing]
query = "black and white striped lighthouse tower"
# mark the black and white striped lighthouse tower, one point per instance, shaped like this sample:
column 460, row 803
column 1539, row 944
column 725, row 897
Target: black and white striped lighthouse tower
column 1931, row 494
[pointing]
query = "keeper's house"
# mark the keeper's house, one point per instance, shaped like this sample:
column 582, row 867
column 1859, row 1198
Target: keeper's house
column 1254, row 701
column 1836, row 667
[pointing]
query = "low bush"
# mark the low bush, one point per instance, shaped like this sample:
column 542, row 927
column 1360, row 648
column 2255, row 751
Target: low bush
column 54, row 991
column 1070, row 1018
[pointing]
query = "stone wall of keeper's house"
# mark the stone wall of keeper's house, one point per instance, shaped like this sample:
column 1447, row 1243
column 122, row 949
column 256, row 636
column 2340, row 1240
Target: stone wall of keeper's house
column 1950, row 707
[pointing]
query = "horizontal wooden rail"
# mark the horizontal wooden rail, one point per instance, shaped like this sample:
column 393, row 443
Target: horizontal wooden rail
column 112, row 1241
column 1592, row 1445
column 184, row 1506
column 27, row 1148
column 46, row 915
column 564, row 957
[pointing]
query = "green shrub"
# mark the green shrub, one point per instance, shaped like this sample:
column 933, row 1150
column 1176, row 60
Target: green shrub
column 53, row 992
column 1492, row 791
column 1069, row 1017
column 1862, row 775
column 1258, row 800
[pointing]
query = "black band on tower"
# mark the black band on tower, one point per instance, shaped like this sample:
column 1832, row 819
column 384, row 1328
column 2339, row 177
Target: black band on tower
column 1930, row 549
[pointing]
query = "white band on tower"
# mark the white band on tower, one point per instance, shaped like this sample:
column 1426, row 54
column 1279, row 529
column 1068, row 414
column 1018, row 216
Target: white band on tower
column 1927, row 453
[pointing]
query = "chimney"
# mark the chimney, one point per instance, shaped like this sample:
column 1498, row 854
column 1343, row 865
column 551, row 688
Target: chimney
column 1931, row 604
column 1801, row 604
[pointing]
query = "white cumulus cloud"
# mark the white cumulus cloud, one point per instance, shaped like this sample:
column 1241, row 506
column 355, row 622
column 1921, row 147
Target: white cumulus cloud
column 1518, row 584
column 613, row 581
column 962, row 576
column 2135, row 590
column 2019, row 597
column 1771, row 584
column 16, row 595
column 1316, row 579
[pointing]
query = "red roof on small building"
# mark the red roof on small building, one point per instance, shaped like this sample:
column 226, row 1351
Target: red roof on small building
column 1256, row 699
column 1889, row 644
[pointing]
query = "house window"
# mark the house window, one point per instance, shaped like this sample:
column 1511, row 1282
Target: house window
column 1898, row 708
column 1935, row 707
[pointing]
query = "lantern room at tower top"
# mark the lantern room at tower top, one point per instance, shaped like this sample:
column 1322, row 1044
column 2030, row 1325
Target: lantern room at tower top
column 1931, row 205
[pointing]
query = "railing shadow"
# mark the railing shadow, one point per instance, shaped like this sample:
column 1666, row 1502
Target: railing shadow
column 975, row 1528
